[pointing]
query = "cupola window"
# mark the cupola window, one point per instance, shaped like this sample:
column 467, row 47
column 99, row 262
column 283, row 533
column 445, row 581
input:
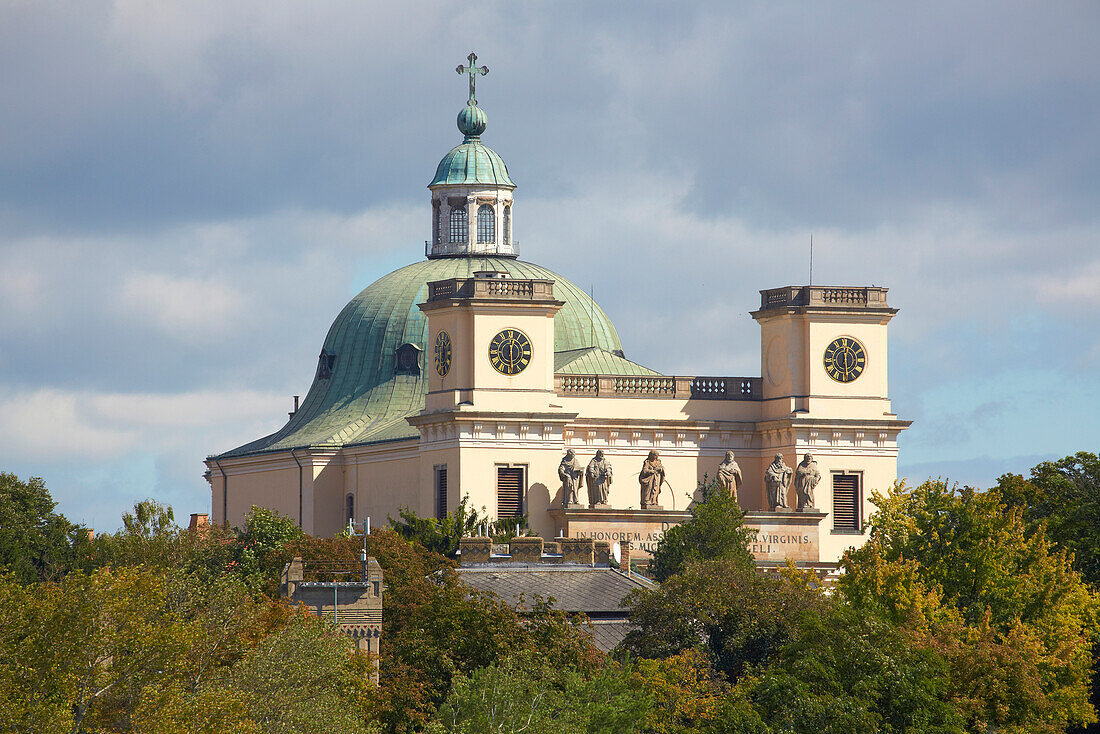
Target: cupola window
column 507, row 225
column 437, row 222
column 486, row 225
column 460, row 225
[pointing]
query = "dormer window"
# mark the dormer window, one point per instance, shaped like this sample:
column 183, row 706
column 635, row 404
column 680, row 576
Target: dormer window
column 325, row 363
column 460, row 225
column 407, row 360
column 486, row 225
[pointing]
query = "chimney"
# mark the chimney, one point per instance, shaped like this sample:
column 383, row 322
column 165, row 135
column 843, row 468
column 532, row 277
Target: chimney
column 624, row 555
column 602, row 553
column 291, row 414
column 526, row 549
column 199, row 521
column 475, row 550
column 578, row 550
column 293, row 574
column 90, row 533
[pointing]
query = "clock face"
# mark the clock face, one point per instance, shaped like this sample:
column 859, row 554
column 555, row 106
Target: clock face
column 510, row 352
column 443, row 353
column 845, row 359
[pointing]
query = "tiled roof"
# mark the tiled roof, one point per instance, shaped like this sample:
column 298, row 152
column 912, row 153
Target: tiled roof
column 596, row 361
column 607, row 635
column 573, row 588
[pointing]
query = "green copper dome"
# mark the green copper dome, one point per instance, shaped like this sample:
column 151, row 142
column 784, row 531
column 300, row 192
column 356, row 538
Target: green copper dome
column 472, row 163
column 359, row 395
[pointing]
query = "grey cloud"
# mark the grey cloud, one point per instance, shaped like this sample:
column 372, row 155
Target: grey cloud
column 675, row 160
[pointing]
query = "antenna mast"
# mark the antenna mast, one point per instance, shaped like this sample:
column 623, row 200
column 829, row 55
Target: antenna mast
column 811, row 259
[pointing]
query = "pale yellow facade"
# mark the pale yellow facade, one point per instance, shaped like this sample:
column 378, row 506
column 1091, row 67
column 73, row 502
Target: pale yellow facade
column 477, row 420
column 398, row 430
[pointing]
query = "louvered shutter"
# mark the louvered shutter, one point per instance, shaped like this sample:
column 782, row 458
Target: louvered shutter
column 846, row 502
column 509, row 491
column 441, row 492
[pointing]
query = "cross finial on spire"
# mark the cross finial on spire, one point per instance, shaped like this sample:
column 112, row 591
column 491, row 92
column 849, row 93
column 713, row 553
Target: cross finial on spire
column 473, row 71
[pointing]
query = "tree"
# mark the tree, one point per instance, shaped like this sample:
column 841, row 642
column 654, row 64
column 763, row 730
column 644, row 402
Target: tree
column 1065, row 495
column 715, row 530
column 438, row 535
column 850, row 673
column 36, row 543
column 964, row 574
column 525, row 695
column 734, row 615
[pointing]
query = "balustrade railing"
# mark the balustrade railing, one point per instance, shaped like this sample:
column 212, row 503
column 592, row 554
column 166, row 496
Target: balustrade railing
column 816, row 295
column 695, row 388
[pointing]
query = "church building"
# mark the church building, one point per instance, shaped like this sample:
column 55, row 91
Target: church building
column 473, row 373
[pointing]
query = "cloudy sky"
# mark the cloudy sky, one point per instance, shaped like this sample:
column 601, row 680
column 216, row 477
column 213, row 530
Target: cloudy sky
column 190, row 192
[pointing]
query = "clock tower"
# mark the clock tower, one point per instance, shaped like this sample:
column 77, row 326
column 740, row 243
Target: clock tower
column 823, row 350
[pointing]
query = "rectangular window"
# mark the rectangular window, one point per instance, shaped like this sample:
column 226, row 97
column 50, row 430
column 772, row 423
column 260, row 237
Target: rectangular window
column 510, row 491
column 441, row 491
column 847, row 502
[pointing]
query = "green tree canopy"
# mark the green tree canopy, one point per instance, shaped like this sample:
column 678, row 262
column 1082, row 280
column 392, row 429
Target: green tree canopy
column 964, row 572
column 736, row 616
column 715, row 530
column 36, row 543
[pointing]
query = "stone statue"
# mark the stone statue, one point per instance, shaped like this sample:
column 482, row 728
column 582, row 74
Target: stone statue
column 729, row 475
column 806, row 477
column 598, row 476
column 777, row 478
column 570, row 473
column 651, row 477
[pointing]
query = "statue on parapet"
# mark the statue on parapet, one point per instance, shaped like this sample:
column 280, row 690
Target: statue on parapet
column 777, row 478
column 806, row 477
column 651, row 477
column 570, row 473
column 598, row 476
column 729, row 475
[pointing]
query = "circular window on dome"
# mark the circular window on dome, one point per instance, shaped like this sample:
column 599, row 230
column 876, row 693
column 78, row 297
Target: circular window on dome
column 443, row 353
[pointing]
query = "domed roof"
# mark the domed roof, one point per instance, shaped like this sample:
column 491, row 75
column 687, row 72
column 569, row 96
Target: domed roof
column 472, row 162
column 358, row 396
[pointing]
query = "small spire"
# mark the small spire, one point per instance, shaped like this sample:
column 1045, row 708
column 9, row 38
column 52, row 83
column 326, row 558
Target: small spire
column 473, row 71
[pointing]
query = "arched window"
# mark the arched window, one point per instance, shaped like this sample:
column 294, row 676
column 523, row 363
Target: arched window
column 460, row 227
column 507, row 225
column 437, row 222
column 349, row 502
column 486, row 225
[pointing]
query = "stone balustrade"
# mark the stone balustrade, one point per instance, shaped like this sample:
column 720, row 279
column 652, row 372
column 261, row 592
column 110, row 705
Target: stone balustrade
column 818, row 295
column 511, row 289
column 696, row 388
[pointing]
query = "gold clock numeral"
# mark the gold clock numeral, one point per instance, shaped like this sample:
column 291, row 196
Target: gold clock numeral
column 443, row 353
column 510, row 352
column 844, row 359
